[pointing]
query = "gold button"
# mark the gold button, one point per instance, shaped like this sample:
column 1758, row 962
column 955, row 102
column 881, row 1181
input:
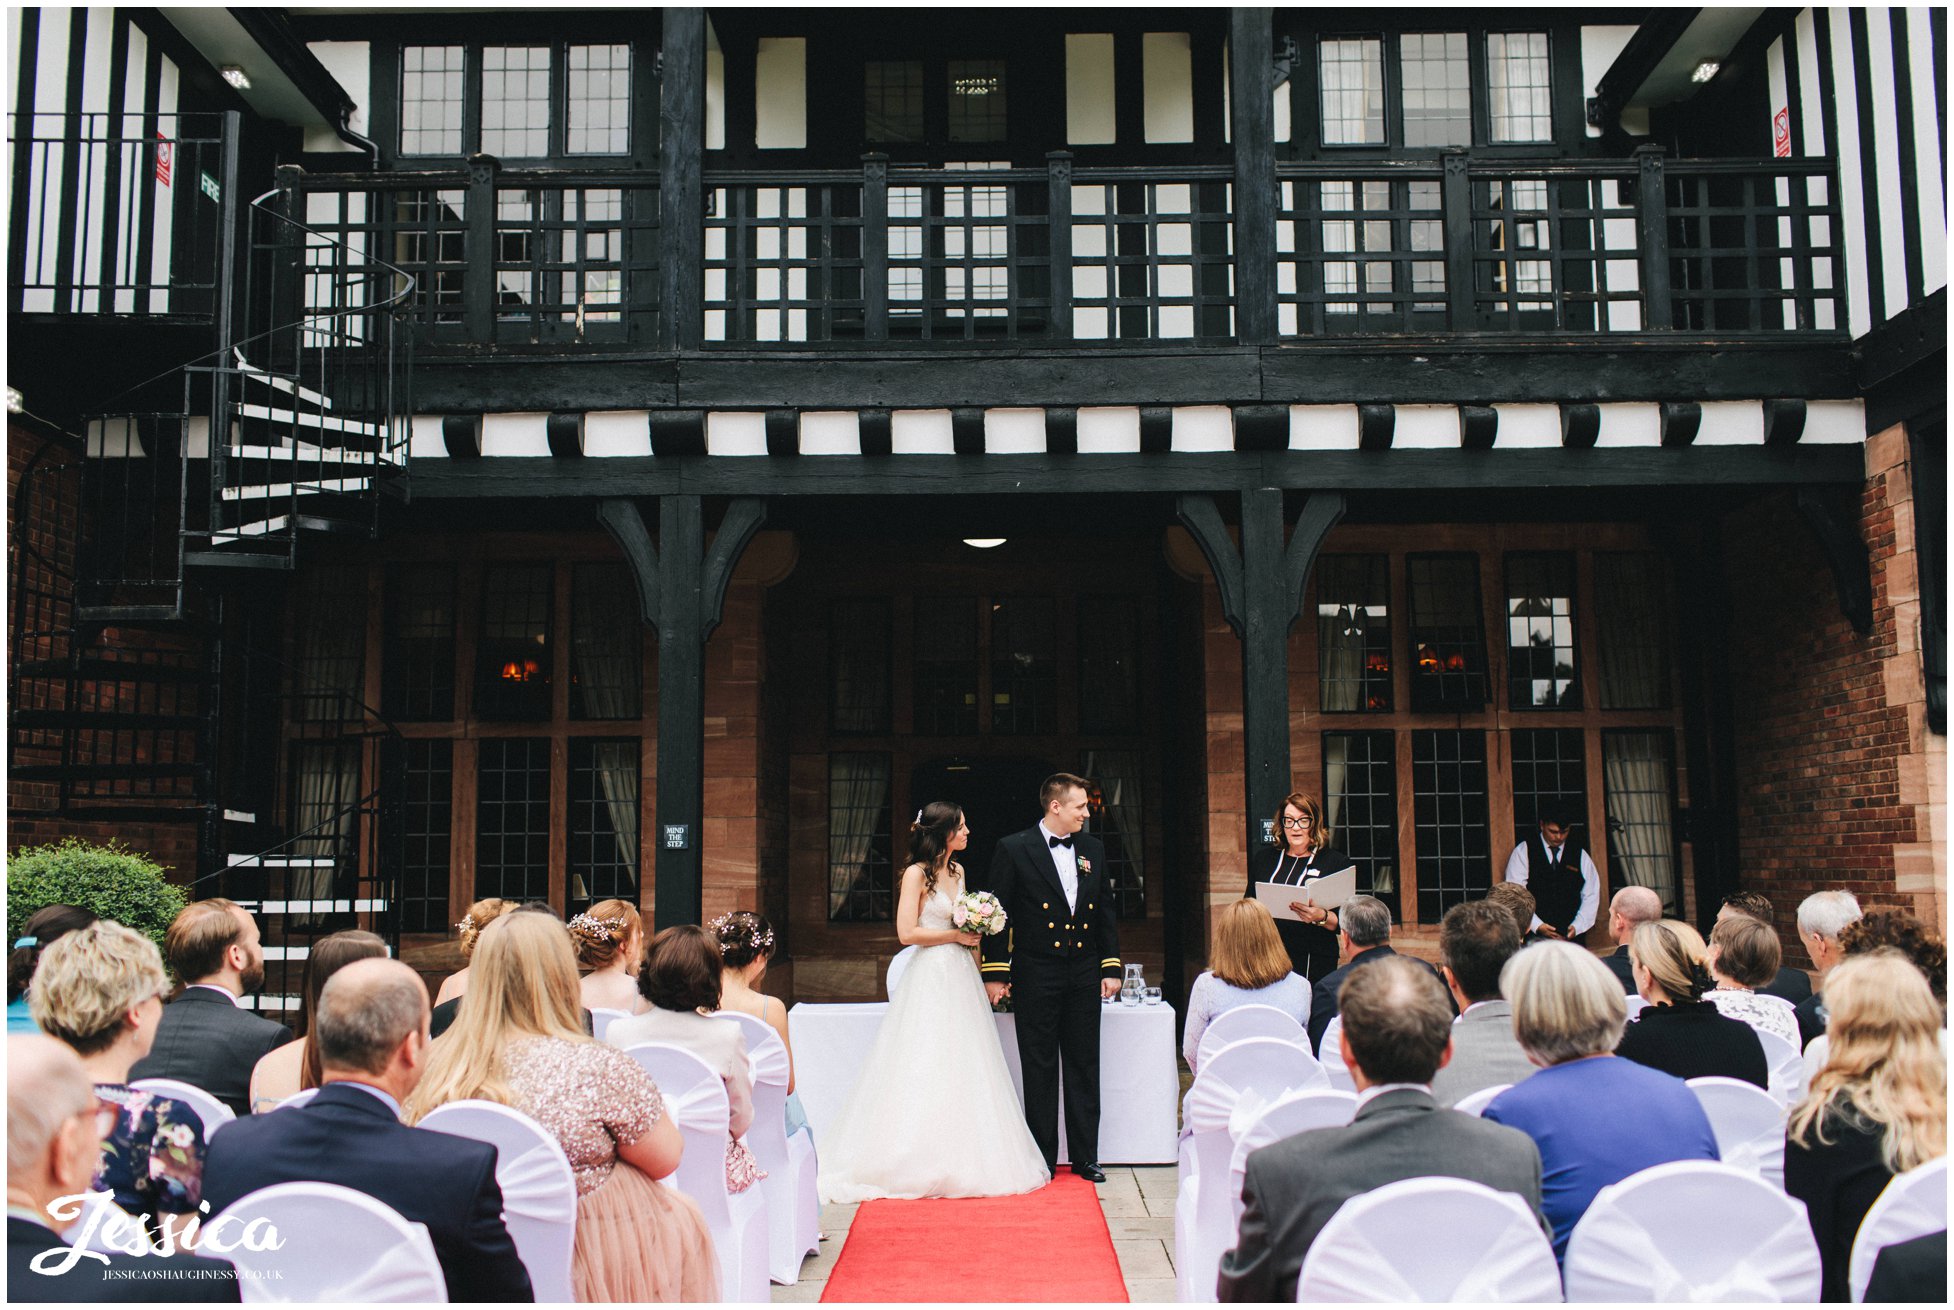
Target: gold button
column 1056, row 945
column 1051, row 925
column 1046, row 906
column 1092, row 905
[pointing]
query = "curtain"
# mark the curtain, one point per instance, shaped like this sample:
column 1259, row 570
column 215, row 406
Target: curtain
column 1633, row 626
column 1341, row 675
column 325, row 784
column 858, row 649
column 1376, row 871
column 331, row 645
column 858, row 788
column 616, row 765
column 1118, row 776
column 607, row 643
column 1641, row 840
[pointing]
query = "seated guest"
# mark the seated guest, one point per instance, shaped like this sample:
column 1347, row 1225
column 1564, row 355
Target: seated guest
column 1397, row 1033
column 1910, row 1271
column 1791, row 985
column 610, row 942
column 445, row 1011
column 1630, row 908
column 1364, row 933
column 1475, row 940
column 1909, row 936
column 1743, row 956
column 371, row 1027
column 36, row 935
column 206, row 1038
column 468, row 934
column 1596, row 1119
column 1877, row 1108
column 681, row 980
column 1248, row 966
column 1516, row 900
column 294, row 1066
column 1678, row 1032
column 746, row 944
column 520, row 1042
column 100, row 990
column 54, row 1145
column 1822, row 916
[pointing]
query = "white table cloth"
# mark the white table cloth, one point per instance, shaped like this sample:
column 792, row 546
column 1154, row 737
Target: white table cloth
column 1139, row 1083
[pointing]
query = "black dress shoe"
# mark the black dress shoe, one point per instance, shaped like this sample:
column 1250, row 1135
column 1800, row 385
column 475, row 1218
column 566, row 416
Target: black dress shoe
column 1092, row 1173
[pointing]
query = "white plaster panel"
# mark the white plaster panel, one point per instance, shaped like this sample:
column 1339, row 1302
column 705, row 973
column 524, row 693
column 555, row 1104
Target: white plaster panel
column 614, row 432
column 1630, row 425
column 1426, row 427
column 1322, row 427
column 1109, row 430
column 831, row 432
column 736, row 434
column 424, row 438
column 780, row 93
column 1089, row 81
column 1527, row 426
column 1203, row 427
column 1731, row 423
column 921, row 432
column 1834, row 423
column 1014, row 431
column 514, row 435
column 350, row 63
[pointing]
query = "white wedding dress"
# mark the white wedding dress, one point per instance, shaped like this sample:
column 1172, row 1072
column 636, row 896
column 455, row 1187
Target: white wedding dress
column 933, row 1112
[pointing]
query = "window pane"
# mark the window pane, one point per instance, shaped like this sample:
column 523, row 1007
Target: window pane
column 1109, row 664
column 419, row 674
column 603, row 833
column 512, row 655
column 607, row 644
column 1517, row 83
column 1641, row 795
column 322, row 802
column 1353, row 633
column 976, row 99
column 516, row 101
column 858, row 666
column 331, row 644
column 1448, row 648
column 1024, row 667
column 861, row 879
column 1437, row 89
column 1540, row 633
column 1352, row 74
column 1118, row 822
column 1632, row 616
column 420, row 829
column 892, row 100
column 430, row 99
column 600, row 100
column 945, row 662
column 1448, row 779
column 1360, row 785
column 1550, row 770
column 512, row 819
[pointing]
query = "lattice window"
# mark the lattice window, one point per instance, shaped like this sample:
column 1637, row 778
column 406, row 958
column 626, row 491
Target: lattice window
column 977, row 99
column 512, row 654
column 603, row 835
column 419, row 673
column 330, row 644
column 859, row 665
column 1640, row 772
column 1631, row 610
column 1353, row 633
column 1448, row 646
column 1550, row 772
column 431, row 99
column 1024, row 667
column 1351, row 76
column 892, row 100
column 1437, row 75
column 430, row 240
column 1540, row 669
column 512, row 818
column 1448, row 772
column 422, row 824
column 1118, row 819
column 516, row 101
column 945, row 666
column 1360, row 786
column 599, row 118
column 861, row 875
column 607, row 644
column 1519, row 86
column 1109, row 664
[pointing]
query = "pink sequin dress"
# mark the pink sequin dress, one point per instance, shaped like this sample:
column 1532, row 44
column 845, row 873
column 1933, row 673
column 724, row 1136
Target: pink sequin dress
column 636, row 1240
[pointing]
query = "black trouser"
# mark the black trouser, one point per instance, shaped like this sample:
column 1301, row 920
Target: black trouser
column 1312, row 950
column 1055, row 1001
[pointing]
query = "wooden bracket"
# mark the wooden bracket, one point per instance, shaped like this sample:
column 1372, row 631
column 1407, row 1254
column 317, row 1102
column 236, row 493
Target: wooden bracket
column 626, row 524
column 743, row 518
column 1835, row 527
column 564, row 432
column 1202, row 518
column 462, row 435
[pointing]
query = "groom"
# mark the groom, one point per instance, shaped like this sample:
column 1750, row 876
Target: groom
column 1057, row 958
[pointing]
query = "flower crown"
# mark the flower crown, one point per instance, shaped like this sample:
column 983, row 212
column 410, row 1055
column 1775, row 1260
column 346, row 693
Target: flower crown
column 726, row 931
column 467, row 925
column 603, row 930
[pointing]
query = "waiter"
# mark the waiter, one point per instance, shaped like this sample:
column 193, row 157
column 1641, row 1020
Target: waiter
column 1301, row 855
column 1566, row 888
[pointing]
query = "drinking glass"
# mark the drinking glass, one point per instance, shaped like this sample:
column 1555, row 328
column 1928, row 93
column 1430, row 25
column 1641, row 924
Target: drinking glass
column 1151, row 996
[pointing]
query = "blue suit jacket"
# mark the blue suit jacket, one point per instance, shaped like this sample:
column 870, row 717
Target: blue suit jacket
column 348, row 1136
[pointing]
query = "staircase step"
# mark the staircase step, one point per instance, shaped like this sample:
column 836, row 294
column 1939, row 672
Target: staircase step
column 281, row 861
column 210, row 559
column 278, row 383
column 316, row 422
column 97, row 670
column 101, row 772
column 251, row 531
column 305, row 450
column 172, row 813
column 103, row 720
column 273, row 1001
column 315, row 907
column 272, row 490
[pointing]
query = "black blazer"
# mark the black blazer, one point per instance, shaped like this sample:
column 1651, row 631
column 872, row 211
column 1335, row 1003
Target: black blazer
column 346, row 1135
column 178, row 1277
column 1838, row 1180
column 1302, row 940
column 1792, row 985
column 1617, row 962
column 1037, row 923
column 1693, row 1039
column 1914, row 1271
column 1323, row 997
column 205, row 1040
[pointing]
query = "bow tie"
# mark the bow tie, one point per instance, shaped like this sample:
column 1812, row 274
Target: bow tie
column 1061, row 841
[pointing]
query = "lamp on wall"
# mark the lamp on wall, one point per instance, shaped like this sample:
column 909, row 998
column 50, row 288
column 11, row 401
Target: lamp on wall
column 236, row 76
column 984, row 543
column 1705, row 71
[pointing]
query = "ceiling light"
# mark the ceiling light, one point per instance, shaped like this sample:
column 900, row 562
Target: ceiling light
column 1705, row 71
column 984, row 543
column 236, row 77
column 16, row 403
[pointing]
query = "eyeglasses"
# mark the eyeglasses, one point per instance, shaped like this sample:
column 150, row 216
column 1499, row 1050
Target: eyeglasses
column 1295, row 823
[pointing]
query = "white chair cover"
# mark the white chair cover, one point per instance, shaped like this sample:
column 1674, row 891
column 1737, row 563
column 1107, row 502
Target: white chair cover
column 338, row 1245
column 898, row 964
column 1787, row 1064
column 301, row 1097
column 602, row 1018
column 1472, row 1244
column 214, row 1113
column 695, row 1098
column 1636, row 1004
column 1255, row 1124
column 793, row 1202
column 1330, row 1056
column 1693, row 1230
column 539, row 1191
column 1246, row 1021
column 1748, row 1122
column 1476, row 1103
column 1913, row 1205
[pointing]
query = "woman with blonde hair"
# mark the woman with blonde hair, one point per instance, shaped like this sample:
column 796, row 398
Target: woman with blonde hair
column 520, row 1042
column 610, row 942
column 1301, row 855
column 1678, row 1032
column 1247, row 966
column 1878, row 1106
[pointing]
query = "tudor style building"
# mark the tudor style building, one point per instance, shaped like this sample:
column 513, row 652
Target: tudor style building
column 652, row 453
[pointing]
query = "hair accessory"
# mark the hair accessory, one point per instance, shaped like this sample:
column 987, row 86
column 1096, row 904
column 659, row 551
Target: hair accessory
column 604, row 930
column 467, row 924
column 918, row 818
column 27, row 943
column 727, row 931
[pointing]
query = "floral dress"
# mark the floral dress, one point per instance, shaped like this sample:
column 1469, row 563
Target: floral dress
column 153, row 1160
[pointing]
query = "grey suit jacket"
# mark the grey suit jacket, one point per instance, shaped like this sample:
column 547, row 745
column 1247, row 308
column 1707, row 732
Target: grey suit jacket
column 1484, row 1054
column 205, row 1040
column 1292, row 1187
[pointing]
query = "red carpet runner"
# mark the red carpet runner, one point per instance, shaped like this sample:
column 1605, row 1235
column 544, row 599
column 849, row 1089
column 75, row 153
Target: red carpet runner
column 1049, row 1245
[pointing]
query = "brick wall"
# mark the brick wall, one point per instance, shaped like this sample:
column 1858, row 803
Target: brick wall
column 1840, row 783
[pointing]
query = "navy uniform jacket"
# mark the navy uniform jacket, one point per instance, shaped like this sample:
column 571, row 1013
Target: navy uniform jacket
column 1038, row 923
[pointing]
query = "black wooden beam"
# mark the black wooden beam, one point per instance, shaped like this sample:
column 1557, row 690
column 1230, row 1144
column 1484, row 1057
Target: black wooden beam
column 1261, row 427
column 743, row 518
column 681, row 712
column 564, row 433
column 1580, row 426
column 783, row 432
column 625, row 521
column 1681, row 420
column 1478, row 426
column 967, row 431
column 1252, row 118
column 462, row 435
column 1784, row 422
column 1834, row 523
column 676, row 433
column 1156, row 429
column 1376, row 425
column 1062, row 430
column 877, row 431
column 681, row 199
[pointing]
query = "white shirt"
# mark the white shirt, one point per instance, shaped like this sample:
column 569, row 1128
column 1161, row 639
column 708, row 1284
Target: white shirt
column 385, row 1098
column 1371, row 1093
column 1517, row 870
column 1065, row 859
column 224, row 992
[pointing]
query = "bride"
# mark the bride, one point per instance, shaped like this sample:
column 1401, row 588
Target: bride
column 933, row 1112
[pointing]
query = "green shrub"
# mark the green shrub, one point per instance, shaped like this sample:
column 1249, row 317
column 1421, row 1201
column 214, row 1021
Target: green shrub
column 113, row 881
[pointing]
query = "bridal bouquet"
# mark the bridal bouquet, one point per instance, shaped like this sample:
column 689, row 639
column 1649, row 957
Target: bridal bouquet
column 978, row 912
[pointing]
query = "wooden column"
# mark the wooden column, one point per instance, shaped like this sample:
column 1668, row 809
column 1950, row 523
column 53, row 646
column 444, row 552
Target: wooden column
column 681, row 591
column 1251, row 66
column 681, row 206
